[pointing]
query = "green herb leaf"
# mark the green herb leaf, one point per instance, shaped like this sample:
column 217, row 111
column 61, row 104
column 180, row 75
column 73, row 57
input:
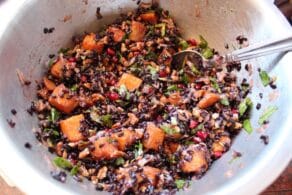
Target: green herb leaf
column 74, row 87
column 185, row 78
column 106, row 120
column 63, row 50
column 247, row 126
column 215, row 84
column 265, row 78
column 120, row 161
column 74, row 170
column 184, row 45
column 224, row 101
column 207, row 53
column 54, row 116
column 168, row 130
column 203, row 43
column 62, row 163
column 138, row 149
column 267, row 114
column 180, row 183
column 153, row 70
column 172, row 88
column 163, row 28
column 52, row 132
column 244, row 105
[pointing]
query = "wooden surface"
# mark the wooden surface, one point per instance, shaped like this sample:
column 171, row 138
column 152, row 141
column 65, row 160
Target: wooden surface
column 282, row 186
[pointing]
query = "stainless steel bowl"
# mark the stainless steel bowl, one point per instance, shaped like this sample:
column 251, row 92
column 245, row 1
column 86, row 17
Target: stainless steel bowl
column 24, row 46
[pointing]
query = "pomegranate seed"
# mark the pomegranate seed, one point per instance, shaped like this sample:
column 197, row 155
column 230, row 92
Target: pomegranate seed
column 234, row 111
column 83, row 78
column 197, row 140
column 110, row 51
column 113, row 96
column 192, row 42
column 217, row 154
column 115, row 59
column 111, row 82
column 72, row 59
column 193, row 124
column 202, row 134
column 162, row 73
column 198, row 86
column 182, row 86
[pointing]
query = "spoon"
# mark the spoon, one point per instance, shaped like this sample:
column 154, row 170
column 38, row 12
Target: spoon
column 250, row 52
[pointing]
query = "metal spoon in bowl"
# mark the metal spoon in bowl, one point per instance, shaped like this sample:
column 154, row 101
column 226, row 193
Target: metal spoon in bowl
column 253, row 51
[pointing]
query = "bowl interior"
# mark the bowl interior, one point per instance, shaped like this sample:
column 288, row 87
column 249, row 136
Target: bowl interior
column 24, row 47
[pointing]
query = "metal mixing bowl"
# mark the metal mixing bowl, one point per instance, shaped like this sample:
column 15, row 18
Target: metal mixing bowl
column 24, row 46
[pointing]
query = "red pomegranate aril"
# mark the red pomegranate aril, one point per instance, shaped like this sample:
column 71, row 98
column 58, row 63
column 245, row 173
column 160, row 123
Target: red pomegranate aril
column 110, row 51
column 113, row 96
column 217, row 154
column 192, row 42
column 162, row 73
column 234, row 111
column 198, row 86
column 83, row 78
column 72, row 59
column 193, row 124
column 202, row 134
column 115, row 59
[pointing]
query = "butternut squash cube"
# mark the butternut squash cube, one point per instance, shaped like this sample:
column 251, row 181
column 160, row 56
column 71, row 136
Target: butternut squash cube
column 70, row 127
column 138, row 31
column 153, row 137
column 105, row 148
column 130, row 81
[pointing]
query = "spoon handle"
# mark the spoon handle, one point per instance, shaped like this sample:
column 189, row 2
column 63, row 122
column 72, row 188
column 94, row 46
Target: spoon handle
column 261, row 49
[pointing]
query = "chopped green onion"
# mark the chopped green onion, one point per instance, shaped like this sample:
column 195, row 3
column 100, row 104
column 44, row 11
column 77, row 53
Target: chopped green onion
column 153, row 70
column 74, row 170
column 247, row 126
column 138, row 149
column 62, row 163
column 185, row 79
column 74, row 87
column 106, row 120
column 203, row 43
column 184, row 45
column 215, row 84
column 52, row 132
column 168, row 130
column 207, row 53
column 54, row 115
column 180, row 183
column 163, row 28
column 224, row 101
column 195, row 70
column 244, row 105
column 267, row 114
column 172, row 88
column 265, row 78
column 120, row 161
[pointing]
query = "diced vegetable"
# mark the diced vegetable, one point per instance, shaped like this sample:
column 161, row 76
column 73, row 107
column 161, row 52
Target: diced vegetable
column 153, row 137
column 215, row 84
column 106, row 149
column 224, row 101
column 125, row 138
column 61, row 100
column 162, row 27
column 57, row 68
column 208, row 100
column 267, row 114
column 74, row 170
column 90, row 43
column 62, row 163
column 203, row 43
column 174, row 98
column 106, row 120
column 138, row 31
column 54, row 115
column 208, row 53
column 168, row 129
column 130, row 81
column 120, row 161
column 244, row 105
column 184, row 44
column 71, row 126
column 198, row 160
column 118, row 34
column 151, row 174
column 247, row 126
column 138, row 149
column 264, row 78
column 150, row 17
column 221, row 145
column 50, row 85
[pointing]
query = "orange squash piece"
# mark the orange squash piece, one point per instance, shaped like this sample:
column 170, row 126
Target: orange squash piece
column 153, row 137
column 125, row 138
column 151, row 174
column 105, row 148
column 70, row 127
column 150, row 17
column 175, row 98
column 90, row 43
column 138, row 31
column 60, row 99
column 57, row 69
column 130, row 81
column 198, row 163
column 208, row 100
column 50, row 85
column 118, row 34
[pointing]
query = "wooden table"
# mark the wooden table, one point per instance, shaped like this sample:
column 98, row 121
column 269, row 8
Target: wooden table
column 282, row 186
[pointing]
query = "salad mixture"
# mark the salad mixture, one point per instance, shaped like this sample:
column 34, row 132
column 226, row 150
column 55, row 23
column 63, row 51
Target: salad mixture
column 114, row 110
